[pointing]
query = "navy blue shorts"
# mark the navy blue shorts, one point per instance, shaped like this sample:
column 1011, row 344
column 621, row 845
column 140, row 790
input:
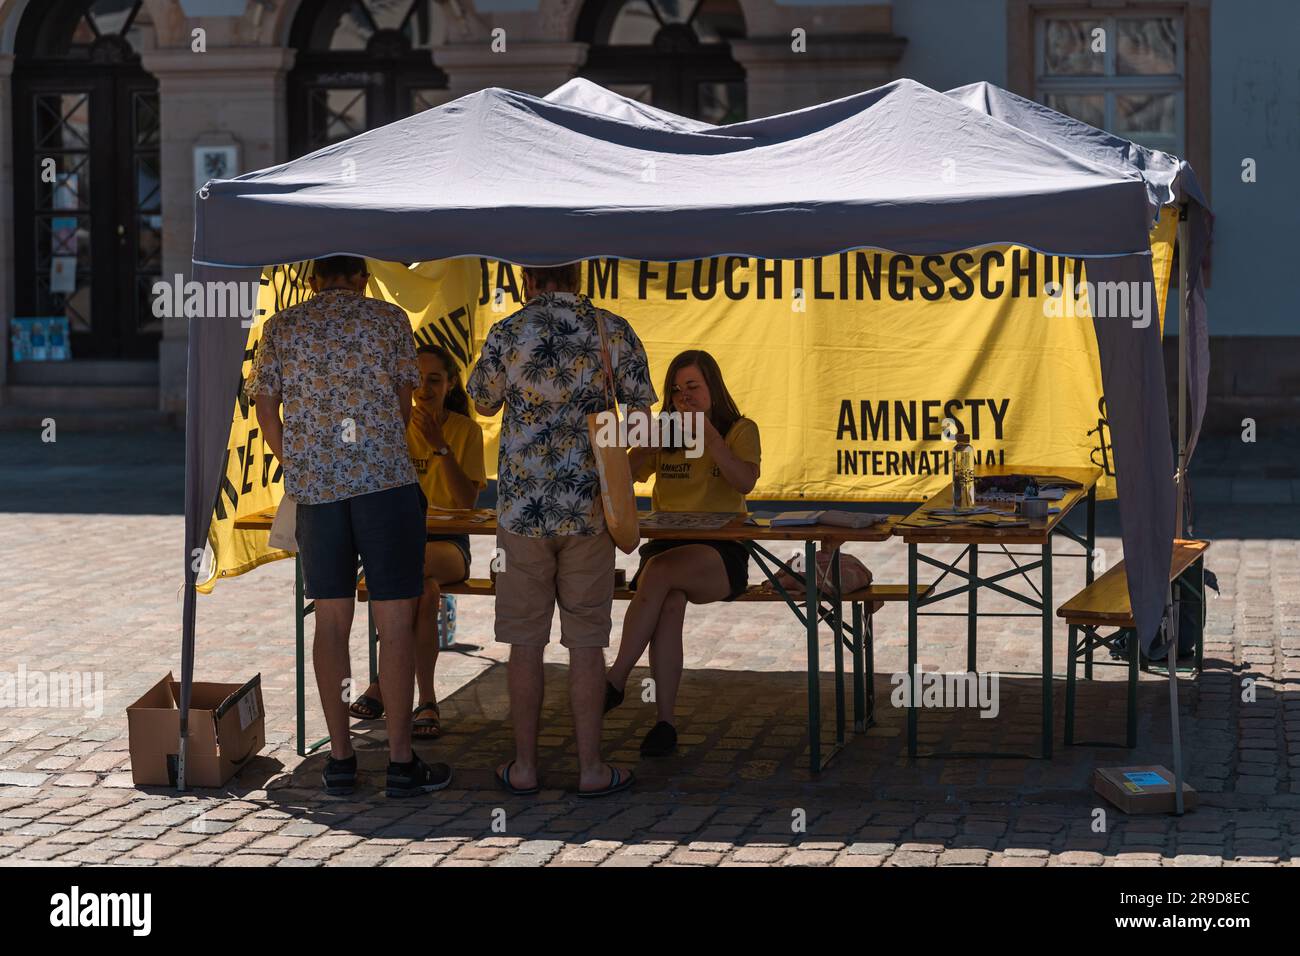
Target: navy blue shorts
column 385, row 529
column 461, row 541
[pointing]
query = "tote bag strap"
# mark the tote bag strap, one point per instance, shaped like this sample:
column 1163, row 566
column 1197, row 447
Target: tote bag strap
column 610, row 391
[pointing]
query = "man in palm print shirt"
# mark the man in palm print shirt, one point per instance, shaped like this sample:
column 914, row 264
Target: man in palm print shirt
column 543, row 364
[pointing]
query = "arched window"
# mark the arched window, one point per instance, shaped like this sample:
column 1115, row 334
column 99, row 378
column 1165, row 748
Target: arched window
column 87, row 197
column 673, row 54
column 361, row 64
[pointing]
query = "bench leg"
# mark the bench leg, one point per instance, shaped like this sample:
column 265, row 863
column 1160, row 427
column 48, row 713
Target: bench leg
column 859, row 692
column 1047, row 648
column 1087, row 659
column 1134, row 652
column 1070, row 666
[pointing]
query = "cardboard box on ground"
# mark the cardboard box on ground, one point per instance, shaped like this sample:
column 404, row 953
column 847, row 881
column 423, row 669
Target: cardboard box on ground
column 1148, row 789
column 227, row 729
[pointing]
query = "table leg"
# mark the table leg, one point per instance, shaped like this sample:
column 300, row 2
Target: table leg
column 837, row 630
column 300, row 629
column 811, row 603
column 1089, row 572
column 869, row 663
column 859, row 688
column 911, row 649
column 1047, row 648
column 972, row 608
column 1071, row 651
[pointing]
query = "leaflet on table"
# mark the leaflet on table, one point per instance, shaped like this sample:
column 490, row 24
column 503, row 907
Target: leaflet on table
column 699, row 520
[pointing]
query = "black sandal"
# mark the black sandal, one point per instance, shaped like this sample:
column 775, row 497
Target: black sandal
column 660, row 741
column 340, row 776
column 416, row 777
column 618, row 780
column 367, row 708
column 426, row 728
column 503, row 780
column 613, row 696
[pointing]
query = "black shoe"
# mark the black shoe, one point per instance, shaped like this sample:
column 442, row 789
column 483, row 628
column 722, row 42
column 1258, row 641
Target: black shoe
column 661, row 741
column 340, row 776
column 416, row 777
column 613, row 696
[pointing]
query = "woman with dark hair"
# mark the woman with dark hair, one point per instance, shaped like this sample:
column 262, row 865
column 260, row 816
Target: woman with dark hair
column 446, row 448
column 677, row 572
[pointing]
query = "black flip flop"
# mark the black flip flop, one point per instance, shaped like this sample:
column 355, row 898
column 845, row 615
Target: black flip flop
column 374, row 708
column 617, row 781
column 503, row 780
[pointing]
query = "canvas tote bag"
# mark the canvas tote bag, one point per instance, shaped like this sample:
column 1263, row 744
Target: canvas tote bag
column 612, row 466
column 284, row 528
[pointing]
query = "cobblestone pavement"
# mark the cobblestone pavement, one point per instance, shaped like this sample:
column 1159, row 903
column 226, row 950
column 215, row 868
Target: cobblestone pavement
column 100, row 592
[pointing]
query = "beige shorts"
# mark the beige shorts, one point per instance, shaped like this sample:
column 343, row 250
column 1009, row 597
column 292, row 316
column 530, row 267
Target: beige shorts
column 575, row 571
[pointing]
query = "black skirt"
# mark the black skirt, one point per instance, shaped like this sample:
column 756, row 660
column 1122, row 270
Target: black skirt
column 734, row 554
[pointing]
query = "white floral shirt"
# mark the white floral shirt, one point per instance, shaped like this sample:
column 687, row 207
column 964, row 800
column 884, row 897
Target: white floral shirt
column 337, row 361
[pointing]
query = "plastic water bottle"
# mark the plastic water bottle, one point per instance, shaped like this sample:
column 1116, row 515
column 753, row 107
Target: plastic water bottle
column 447, row 621
column 963, row 473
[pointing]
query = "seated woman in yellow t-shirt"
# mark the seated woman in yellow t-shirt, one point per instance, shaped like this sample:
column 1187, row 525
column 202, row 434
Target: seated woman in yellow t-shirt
column 446, row 448
column 673, row 573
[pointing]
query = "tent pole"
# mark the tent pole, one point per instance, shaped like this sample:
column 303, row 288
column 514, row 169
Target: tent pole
column 1183, row 247
column 1171, row 660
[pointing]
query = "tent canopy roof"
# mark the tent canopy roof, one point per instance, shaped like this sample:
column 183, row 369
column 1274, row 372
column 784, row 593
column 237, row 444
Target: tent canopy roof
column 512, row 176
column 1168, row 178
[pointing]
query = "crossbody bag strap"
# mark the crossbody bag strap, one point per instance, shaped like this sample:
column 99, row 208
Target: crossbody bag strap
column 608, row 364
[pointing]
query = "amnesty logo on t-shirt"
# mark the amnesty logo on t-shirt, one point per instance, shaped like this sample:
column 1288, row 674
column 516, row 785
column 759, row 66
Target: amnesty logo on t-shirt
column 696, row 484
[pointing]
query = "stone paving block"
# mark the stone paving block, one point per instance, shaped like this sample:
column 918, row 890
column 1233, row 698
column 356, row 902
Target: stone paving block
column 726, row 797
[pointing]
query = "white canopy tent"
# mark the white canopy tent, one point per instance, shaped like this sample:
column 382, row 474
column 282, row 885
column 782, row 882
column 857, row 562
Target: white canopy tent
column 514, row 177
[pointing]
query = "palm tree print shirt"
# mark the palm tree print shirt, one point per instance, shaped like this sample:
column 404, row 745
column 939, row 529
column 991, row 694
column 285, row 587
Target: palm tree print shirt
column 543, row 364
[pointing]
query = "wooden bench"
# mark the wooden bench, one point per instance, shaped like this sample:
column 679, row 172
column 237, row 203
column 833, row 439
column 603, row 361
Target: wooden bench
column 874, row 594
column 1105, row 604
column 861, row 626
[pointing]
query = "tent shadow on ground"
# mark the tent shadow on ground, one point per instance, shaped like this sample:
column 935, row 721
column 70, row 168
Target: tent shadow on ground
column 743, row 752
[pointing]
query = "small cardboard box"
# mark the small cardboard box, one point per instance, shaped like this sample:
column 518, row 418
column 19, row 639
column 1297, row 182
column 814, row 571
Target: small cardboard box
column 227, row 729
column 1147, row 789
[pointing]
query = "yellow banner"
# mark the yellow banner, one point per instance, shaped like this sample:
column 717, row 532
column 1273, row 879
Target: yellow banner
column 849, row 364
column 439, row 299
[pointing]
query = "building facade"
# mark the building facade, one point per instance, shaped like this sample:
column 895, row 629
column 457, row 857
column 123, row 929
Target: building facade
column 113, row 112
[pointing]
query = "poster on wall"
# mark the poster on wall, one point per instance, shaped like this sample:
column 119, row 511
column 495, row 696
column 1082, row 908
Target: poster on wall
column 63, row 275
column 215, row 162
column 63, row 236
column 66, row 191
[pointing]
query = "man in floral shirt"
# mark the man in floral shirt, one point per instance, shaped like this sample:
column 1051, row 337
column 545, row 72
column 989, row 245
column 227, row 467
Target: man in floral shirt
column 543, row 364
column 343, row 368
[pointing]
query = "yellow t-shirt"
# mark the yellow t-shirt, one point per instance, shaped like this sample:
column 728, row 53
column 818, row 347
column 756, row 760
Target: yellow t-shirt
column 465, row 439
column 696, row 484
